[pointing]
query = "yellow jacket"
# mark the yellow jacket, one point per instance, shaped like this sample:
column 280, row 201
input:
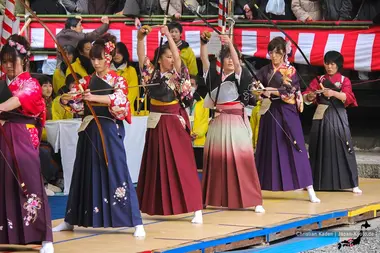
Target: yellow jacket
column 200, row 123
column 78, row 68
column 255, row 123
column 59, row 79
column 58, row 110
column 189, row 59
column 129, row 73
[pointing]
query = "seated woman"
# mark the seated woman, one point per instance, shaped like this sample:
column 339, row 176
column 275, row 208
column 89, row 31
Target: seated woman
column 122, row 65
column 60, row 72
column 59, row 111
column 331, row 150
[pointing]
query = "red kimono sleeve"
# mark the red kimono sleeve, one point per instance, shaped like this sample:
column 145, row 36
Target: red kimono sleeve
column 31, row 100
column 313, row 86
column 350, row 96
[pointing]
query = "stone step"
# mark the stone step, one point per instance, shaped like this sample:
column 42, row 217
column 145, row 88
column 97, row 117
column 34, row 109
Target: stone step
column 368, row 164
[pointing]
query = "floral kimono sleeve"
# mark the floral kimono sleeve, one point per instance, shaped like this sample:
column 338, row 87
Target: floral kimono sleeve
column 77, row 104
column 185, row 84
column 292, row 92
column 29, row 93
column 146, row 71
column 120, row 107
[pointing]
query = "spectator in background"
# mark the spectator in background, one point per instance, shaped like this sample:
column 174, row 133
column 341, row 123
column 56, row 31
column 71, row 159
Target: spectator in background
column 60, row 72
column 122, row 65
column 334, row 10
column 58, row 110
column 251, row 10
column 82, row 64
column 186, row 53
column 175, row 7
column 76, row 6
column 366, row 9
column 199, row 119
column 47, row 7
column 73, row 33
column 136, row 8
column 49, row 167
column 101, row 7
column 307, row 10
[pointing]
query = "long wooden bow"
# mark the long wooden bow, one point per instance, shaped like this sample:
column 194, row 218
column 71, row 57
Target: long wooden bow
column 61, row 51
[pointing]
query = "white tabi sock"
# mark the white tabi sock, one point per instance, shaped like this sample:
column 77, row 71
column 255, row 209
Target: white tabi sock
column 259, row 209
column 139, row 231
column 47, row 247
column 312, row 196
column 198, row 218
column 357, row 190
column 64, row 226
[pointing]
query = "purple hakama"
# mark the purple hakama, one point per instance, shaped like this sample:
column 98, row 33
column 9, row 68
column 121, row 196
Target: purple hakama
column 280, row 165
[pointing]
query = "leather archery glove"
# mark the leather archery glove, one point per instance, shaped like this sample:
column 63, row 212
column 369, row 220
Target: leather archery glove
column 143, row 31
column 205, row 37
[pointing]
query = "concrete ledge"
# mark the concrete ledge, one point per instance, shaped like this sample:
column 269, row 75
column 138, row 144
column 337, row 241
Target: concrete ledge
column 368, row 164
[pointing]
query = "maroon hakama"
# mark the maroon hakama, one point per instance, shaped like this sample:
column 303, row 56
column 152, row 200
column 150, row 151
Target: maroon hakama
column 229, row 173
column 168, row 182
column 22, row 222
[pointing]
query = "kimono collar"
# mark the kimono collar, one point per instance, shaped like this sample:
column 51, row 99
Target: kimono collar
column 109, row 77
column 336, row 76
column 22, row 75
column 224, row 76
column 337, row 79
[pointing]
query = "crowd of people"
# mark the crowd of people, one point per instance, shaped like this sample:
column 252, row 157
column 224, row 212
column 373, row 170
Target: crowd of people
column 197, row 120
column 304, row 10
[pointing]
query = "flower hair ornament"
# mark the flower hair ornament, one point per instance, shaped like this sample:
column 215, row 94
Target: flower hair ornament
column 108, row 48
column 20, row 48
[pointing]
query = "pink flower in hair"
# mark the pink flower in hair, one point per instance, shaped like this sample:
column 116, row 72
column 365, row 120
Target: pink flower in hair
column 20, row 48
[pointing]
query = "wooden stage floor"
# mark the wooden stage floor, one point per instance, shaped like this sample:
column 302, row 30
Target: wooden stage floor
column 286, row 213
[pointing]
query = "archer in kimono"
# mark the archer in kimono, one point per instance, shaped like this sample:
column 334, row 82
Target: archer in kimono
column 332, row 155
column 281, row 156
column 230, row 177
column 24, row 208
column 101, row 194
column 168, row 182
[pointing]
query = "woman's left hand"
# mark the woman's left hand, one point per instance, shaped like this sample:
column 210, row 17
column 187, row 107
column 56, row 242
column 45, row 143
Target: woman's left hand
column 88, row 96
column 328, row 93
